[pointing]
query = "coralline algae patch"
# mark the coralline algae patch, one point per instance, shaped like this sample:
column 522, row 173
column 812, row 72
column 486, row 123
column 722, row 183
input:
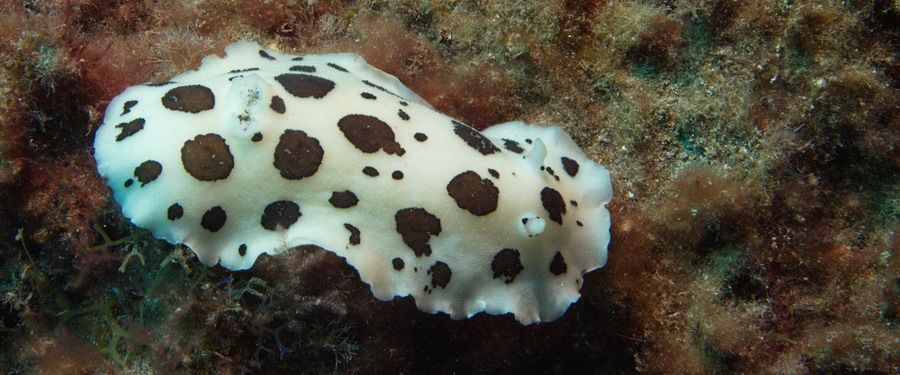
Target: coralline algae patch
column 259, row 152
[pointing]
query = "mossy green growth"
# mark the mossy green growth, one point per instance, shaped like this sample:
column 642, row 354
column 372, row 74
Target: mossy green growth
column 698, row 34
column 698, row 43
column 153, row 311
column 689, row 136
column 885, row 202
column 727, row 263
column 47, row 65
column 645, row 70
column 798, row 58
column 603, row 88
column 142, row 298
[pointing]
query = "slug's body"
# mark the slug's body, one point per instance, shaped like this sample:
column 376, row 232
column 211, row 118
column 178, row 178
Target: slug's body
column 259, row 152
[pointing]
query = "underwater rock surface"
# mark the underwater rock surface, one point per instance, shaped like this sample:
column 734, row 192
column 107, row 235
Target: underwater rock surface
column 754, row 143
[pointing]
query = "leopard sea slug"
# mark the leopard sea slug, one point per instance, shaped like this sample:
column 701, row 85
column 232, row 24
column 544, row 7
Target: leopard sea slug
column 259, row 152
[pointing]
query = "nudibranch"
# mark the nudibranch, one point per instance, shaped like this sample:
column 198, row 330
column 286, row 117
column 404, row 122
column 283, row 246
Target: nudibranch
column 259, row 152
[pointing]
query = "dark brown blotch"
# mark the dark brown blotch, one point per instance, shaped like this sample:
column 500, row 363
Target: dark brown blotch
column 303, row 68
column 369, row 134
column 280, row 215
column 553, row 202
column 297, row 155
column 474, row 138
column 191, row 99
column 126, row 108
column 368, row 95
column 129, row 128
column 379, row 87
column 421, row 137
column 370, row 171
column 570, row 166
column 558, row 264
column 398, row 264
column 416, row 226
column 214, row 219
column 343, row 199
column 175, row 212
column 403, row 115
column 207, row 157
column 305, row 85
column 354, row 234
column 147, row 171
column 246, row 70
column 550, row 171
column 265, row 55
column 277, row 104
column 242, row 250
column 440, row 275
column 473, row 193
column 337, row 67
column 507, row 265
column 513, row 146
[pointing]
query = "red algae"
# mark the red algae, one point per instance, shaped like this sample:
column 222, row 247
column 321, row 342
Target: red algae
column 753, row 145
column 65, row 189
column 392, row 48
column 66, row 354
column 109, row 65
column 659, row 44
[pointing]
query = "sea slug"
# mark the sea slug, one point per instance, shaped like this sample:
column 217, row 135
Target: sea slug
column 258, row 152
